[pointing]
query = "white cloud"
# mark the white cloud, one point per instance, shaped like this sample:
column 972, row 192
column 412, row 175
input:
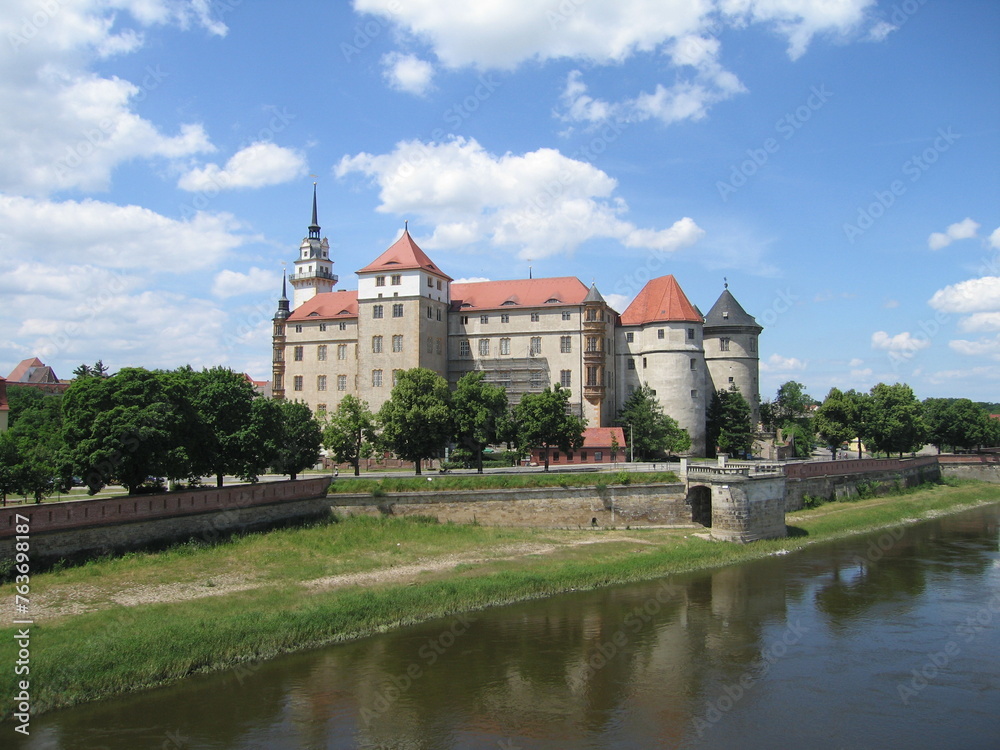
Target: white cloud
column 855, row 362
column 471, row 280
column 407, row 73
column 983, row 347
column 258, row 165
column 974, row 295
column 113, row 236
column 231, row 283
column 863, row 374
column 900, row 343
column 618, row 302
column 962, row 230
column 541, row 203
column 980, row 322
column 777, row 363
column 64, row 127
column 995, row 239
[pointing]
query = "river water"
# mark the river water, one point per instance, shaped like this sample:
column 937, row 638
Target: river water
column 883, row 641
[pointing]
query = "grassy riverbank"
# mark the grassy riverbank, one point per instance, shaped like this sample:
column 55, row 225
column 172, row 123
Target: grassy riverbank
column 195, row 608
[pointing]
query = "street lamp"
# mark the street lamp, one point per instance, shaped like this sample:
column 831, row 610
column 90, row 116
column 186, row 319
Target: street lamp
column 631, row 444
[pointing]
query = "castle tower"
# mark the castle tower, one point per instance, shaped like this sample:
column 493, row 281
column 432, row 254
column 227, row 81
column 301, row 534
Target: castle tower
column 598, row 350
column 278, row 343
column 403, row 302
column 313, row 268
column 731, row 350
column 659, row 344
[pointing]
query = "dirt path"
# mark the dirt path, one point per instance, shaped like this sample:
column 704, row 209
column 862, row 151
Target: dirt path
column 75, row 599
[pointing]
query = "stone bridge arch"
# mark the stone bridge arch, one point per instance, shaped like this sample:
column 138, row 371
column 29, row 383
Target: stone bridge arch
column 699, row 502
column 737, row 507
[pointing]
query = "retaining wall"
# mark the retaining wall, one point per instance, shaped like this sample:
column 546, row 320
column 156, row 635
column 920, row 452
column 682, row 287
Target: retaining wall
column 837, row 480
column 984, row 467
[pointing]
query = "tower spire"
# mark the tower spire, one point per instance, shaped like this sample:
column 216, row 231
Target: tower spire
column 314, row 227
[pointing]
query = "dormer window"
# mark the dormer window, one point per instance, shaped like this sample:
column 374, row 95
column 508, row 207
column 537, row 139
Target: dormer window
column 725, row 314
column 552, row 300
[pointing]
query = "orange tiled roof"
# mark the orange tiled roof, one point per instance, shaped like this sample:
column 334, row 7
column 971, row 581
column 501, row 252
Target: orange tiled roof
column 343, row 304
column 661, row 300
column 489, row 295
column 3, row 395
column 600, row 437
column 404, row 254
column 19, row 373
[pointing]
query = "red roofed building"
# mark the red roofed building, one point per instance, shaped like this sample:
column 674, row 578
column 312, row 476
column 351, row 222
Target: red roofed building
column 36, row 374
column 597, row 449
column 523, row 334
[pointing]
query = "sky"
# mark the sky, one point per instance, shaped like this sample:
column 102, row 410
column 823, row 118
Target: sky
column 836, row 162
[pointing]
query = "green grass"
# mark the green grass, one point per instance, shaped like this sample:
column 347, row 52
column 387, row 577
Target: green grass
column 444, row 483
column 118, row 649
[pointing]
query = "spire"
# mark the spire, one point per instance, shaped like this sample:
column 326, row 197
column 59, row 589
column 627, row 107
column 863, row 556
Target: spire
column 283, row 309
column 314, row 227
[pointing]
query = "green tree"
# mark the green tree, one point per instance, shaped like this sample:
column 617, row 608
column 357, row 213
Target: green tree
column 957, row 422
column 653, row 432
column 544, row 422
column 297, row 436
column 416, row 420
column 729, row 428
column 10, row 466
column 97, row 370
column 792, row 402
column 350, row 432
column 834, row 421
column 126, row 427
column 36, row 426
column 895, row 421
column 478, row 412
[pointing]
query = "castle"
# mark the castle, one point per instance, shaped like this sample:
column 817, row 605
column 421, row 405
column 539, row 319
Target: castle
column 523, row 334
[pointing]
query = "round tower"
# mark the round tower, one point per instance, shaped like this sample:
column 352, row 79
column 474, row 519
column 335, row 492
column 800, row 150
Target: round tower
column 313, row 268
column 278, row 343
column 731, row 350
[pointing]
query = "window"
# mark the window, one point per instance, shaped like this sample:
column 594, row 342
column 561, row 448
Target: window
column 593, row 375
column 694, row 364
column 566, row 378
column 463, row 349
column 504, row 346
column 724, row 344
column 593, row 344
column 536, row 345
column 430, row 311
column 380, row 281
column 397, row 310
column 397, row 343
column 694, row 393
column 753, row 344
column 591, row 314
column 343, row 326
column 565, row 344
column 630, row 337
column 279, row 355
column 569, row 455
column 430, row 282
column 298, row 329
column 690, row 334
column 297, row 383
column 583, row 456
column 321, row 382
column 484, row 319
column 484, row 347
column 504, row 318
column 395, row 377
column 643, row 363
column 465, row 320
column 439, row 285
column 567, row 315
column 341, row 351
column 534, row 317
column 536, row 380
column 376, row 311
column 598, row 456
column 659, row 333
column 396, row 279
column 376, row 344
column 321, row 352
column 341, row 382
column 631, row 364
column 322, row 326
column 725, row 314
column 437, row 346
column 297, row 353
column 430, row 344
column 376, row 378
column 278, row 382
column 732, row 380
column 320, row 409
column 555, row 457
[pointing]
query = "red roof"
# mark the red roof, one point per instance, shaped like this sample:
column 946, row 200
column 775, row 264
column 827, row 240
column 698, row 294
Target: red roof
column 3, row 395
column 342, row 304
column 600, row 437
column 489, row 295
column 18, row 373
column 403, row 255
column 661, row 300
column 33, row 371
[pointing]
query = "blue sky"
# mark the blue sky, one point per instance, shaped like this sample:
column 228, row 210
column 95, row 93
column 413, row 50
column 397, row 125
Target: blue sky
column 837, row 161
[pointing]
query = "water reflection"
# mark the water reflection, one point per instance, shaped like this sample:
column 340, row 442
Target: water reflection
column 771, row 653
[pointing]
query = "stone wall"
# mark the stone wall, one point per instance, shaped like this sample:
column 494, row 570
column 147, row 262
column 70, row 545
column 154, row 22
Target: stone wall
column 745, row 509
column 552, row 507
column 838, row 480
column 84, row 527
column 984, row 467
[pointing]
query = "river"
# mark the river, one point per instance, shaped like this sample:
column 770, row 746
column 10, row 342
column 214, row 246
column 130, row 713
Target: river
column 889, row 640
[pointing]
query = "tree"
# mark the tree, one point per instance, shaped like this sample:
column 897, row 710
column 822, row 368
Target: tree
column 653, row 432
column 416, row 420
column 895, row 422
column 297, row 436
column 544, row 422
column 792, row 402
column 350, row 432
column 729, row 422
column 957, row 422
column 478, row 411
column 126, row 427
column 98, row 370
column 10, row 466
column 834, row 420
